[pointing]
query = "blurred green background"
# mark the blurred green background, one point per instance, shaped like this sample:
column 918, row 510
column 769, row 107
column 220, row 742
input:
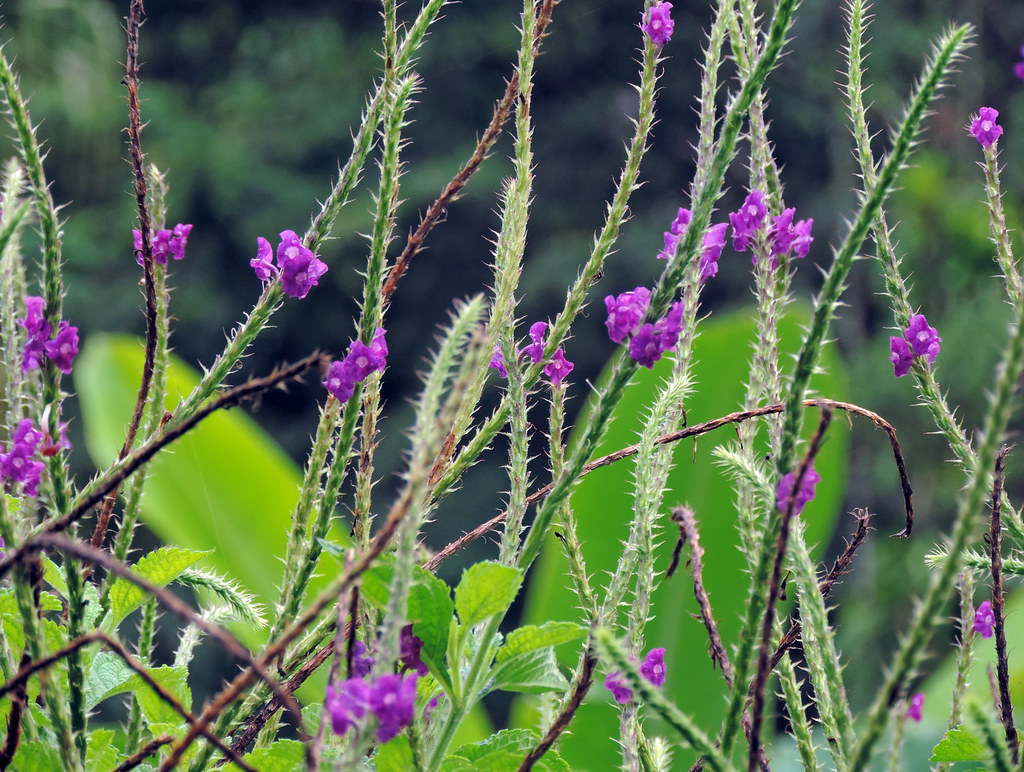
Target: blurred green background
column 250, row 106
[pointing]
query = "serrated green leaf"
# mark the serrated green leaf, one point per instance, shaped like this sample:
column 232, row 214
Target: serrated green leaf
column 533, row 672
column 159, row 567
column 395, row 756
column 498, row 761
column 282, row 756
column 959, row 745
column 375, row 587
column 52, row 574
column 106, row 677
column 492, row 753
column 154, row 709
column 101, row 753
column 532, row 637
column 36, row 756
column 486, row 589
column 431, row 611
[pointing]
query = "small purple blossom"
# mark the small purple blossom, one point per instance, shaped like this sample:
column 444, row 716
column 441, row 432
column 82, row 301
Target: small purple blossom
column 714, row 242
column 1018, row 68
column 165, row 243
column 901, row 356
column 498, row 362
column 179, row 237
column 347, row 703
column 393, row 700
column 671, row 242
column 747, row 221
column 50, row 448
column 653, row 667
column 915, row 711
column 984, row 620
column 430, row 707
column 538, row 331
column 625, row 312
column 300, row 268
column 410, row 653
column 361, row 361
column 784, row 236
column 984, row 127
column 658, row 24
column 37, row 331
column 17, row 465
column 671, row 326
column 616, row 683
column 63, row 348
column 653, row 340
column 682, row 221
column 558, row 368
column 263, row 263
column 804, row 495
column 362, row 661
column 922, row 338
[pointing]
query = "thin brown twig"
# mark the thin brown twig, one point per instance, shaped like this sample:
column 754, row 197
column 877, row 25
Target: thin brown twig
column 580, row 688
column 1002, row 664
column 768, row 622
column 131, row 82
column 18, row 700
column 146, row 750
column 19, row 679
column 693, row 431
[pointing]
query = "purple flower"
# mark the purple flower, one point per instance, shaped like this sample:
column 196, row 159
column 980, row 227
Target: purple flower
column 498, row 362
column 558, row 368
column 300, row 268
column 785, row 236
column 658, row 24
column 682, row 221
column 392, row 700
column 669, row 328
column 17, row 465
column 671, row 242
column 431, row 706
column 714, row 241
column 617, row 685
column 984, row 619
column 63, row 348
column 361, row 360
column 805, row 494
column 984, row 126
column 347, row 703
column 49, row 447
column 915, row 711
column 38, row 332
column 901, row 356
column 362, row 661
column 625, row 312
column 748, row 220
column 166, row 243
column 410, row 654
column 179, row 237
column 922, row 338
column 653, row 667
column 538, row 330
column 645, row 347
column 263, row 263
column 1018, row 68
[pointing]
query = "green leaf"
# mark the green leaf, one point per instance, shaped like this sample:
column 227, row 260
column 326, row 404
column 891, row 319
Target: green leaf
column 395, row 756
column 52, row 574
column 531, row 637
column 106, row 677
column 282, row 756
column 110, row 676
column 375, row 588
column 431, row 611
column 533, row 672
column 502, row 752
column 101, row 754
column 959, row 745
column 159, row 567
column 36, row 756
column 486, row 589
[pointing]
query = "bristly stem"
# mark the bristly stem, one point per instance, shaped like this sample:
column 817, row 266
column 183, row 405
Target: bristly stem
column 995, row 545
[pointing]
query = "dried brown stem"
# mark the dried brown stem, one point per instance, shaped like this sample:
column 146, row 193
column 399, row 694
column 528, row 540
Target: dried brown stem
column 565, row 717
column 436, row 213
column 774, row 587
column 1002, row 664
column 693, row 431
column 146, row 750
column 18, row 700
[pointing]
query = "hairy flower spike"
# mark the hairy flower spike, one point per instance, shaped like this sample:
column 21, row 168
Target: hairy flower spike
column 984, row 127
column 804, row 495
column 658, row 24
column 984, row 620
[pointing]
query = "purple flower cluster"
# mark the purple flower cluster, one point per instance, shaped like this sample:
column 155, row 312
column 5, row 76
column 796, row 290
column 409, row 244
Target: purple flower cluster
column 652, row 669
column 61, row 349
column 657, row 23
column 17, row 465
column 166, row 243
column 391, row 697
column 298, row 267
column 916, row 709
column 648, row 341
column 803, row 495
column 714, row 241
column 747, row 220
column 557, row 369
column 361, row 360
column 919, row 339
column 784, row 236
column 984, row 620
column 984, row 127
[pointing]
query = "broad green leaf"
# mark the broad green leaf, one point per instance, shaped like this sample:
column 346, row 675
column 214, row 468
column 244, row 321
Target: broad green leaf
column 430, row 611
column 175, row 681
column 959, row 745
column 496, row 761
column 36, row 756
column 530, row 637
column 502, row 751
column 533, row 672
column 159, row 567
column 101, row 753
column 375, row 588
column 395, row 756
column 603, row 504
column 515, row 740
column 282, row 756
column 54, row 576
column 107, row 677
column 486, row 589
